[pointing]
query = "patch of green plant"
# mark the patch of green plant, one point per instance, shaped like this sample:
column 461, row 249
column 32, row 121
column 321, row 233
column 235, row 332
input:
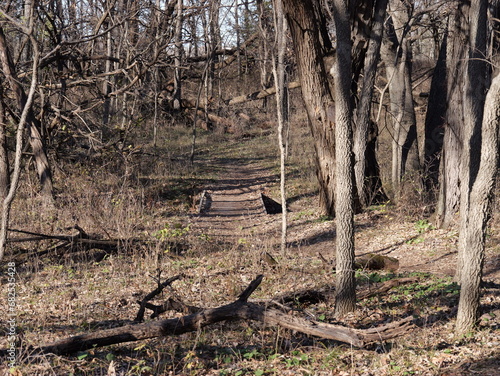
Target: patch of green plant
column 416, row 240
column 420, row 291
column 363, row 277
column 323, row 218
column 297, row 358
column 252, row 354
column 171, row 231
column 423, row 225
column 140, row 368
column 302, row 213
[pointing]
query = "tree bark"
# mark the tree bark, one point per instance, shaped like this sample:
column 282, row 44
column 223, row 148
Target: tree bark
column 435, row 119
column 368, row 179
column 279, row 73
column 480, row 195
column 449, row 182
column 24, row 118
column 177, row 99
column 474, row 97
column 316, row 93
column 345, row 296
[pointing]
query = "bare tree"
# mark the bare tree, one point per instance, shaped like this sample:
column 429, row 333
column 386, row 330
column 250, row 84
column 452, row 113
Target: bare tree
column 474, row 97
column 178, row 56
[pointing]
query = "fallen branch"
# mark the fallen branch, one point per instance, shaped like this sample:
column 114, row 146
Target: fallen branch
column 152, row 294
column 69, row 243
column 240, row 309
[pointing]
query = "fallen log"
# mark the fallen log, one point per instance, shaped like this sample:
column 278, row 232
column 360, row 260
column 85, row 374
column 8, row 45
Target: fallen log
column 240, row 309
column 259, row 94
column 376, row 262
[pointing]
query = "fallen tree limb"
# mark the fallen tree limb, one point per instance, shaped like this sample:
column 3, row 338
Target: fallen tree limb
column 382, row 288
column 152, row 294
column 70, row 243
column 240, row 309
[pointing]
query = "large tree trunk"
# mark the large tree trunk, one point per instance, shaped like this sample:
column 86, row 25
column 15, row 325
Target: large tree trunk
column 479, row 200
column 449, row 186
column 319, row 105
column 474, row 96
column 345, row 291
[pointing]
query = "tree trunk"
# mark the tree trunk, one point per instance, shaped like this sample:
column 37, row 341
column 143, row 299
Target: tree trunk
column 435, row 119
column 474, row 96
column 345, row 292
column 480, row 193
column 316, row 94
column 449, row 186
column 25, row 110
column 265, row 31
column 367, row 178
column 177, row 100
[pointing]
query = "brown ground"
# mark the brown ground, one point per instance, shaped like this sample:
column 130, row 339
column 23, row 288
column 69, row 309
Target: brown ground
column 236, row 212
column 64, row 298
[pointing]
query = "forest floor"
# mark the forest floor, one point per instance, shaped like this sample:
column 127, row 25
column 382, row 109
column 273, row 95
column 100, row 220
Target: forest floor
column 219, row 251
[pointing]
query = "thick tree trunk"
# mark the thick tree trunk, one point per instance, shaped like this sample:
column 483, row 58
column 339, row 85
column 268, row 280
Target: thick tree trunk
column 474, row 96
column 473, row 235
column 316, row 93
column 449, row 186
column 345, row 296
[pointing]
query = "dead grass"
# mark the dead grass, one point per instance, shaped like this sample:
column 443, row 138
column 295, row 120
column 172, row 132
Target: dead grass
column 59, row 297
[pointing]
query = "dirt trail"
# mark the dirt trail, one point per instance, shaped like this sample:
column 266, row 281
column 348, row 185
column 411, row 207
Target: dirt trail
column 234, row 206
